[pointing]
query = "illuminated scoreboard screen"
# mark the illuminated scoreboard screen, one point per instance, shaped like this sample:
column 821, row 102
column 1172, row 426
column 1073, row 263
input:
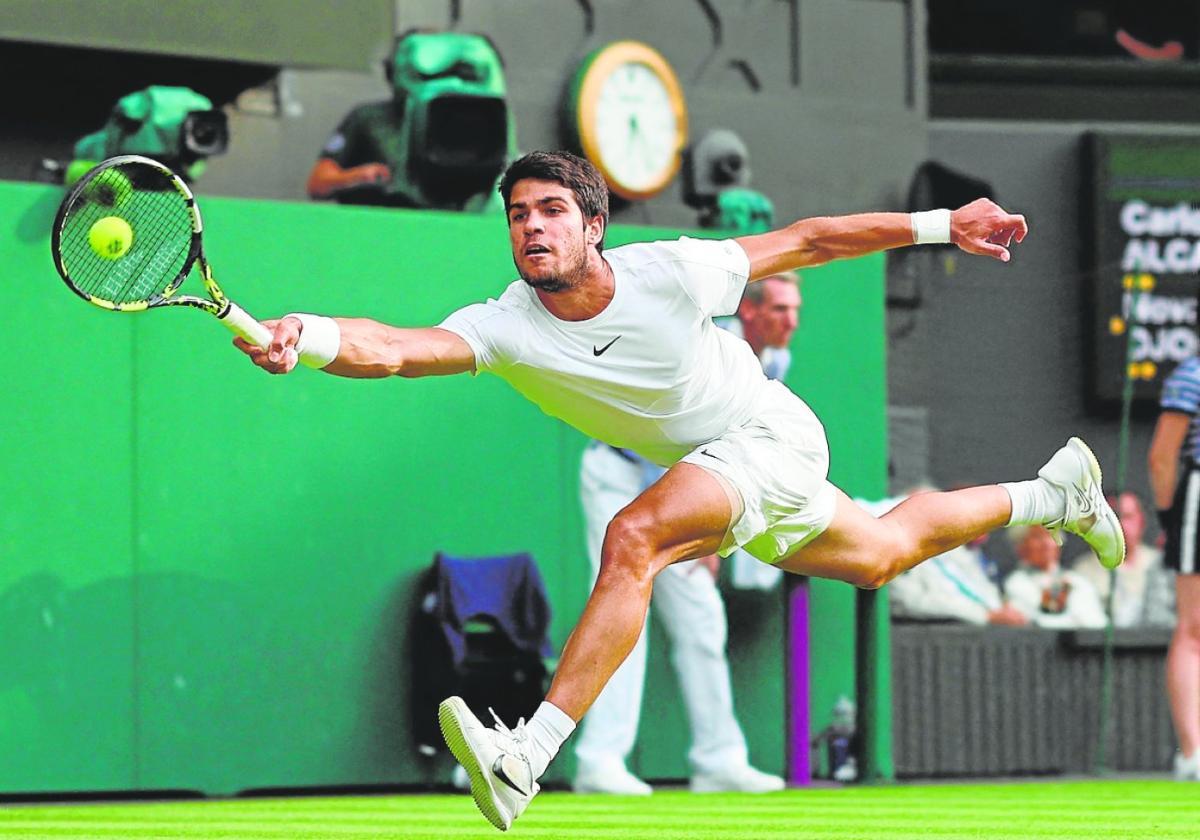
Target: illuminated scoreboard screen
column 1144, row 259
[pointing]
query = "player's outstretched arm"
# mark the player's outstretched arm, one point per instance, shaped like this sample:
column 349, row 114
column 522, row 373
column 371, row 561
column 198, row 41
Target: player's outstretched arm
column 362, row 348
column 981, row 227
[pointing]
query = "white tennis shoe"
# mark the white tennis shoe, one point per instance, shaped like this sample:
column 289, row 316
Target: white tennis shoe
column 496, row 760
column 1075, row 471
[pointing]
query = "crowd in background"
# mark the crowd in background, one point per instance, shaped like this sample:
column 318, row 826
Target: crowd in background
column 970, row 584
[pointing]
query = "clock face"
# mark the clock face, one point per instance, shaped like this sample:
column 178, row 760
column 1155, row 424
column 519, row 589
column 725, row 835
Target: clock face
column 629, row 117
column 637, row 127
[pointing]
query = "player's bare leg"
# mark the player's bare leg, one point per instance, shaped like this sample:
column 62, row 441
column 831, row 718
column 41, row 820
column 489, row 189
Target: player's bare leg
column 867, row 552
column 685, row 514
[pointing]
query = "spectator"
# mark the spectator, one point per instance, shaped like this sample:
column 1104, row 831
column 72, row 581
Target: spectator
column 686, row 600
column 1048, row 595
column 955, row 586
column 1144, row 596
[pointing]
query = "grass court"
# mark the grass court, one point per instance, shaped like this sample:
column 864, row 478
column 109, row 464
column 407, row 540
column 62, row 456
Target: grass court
column 1083, row 810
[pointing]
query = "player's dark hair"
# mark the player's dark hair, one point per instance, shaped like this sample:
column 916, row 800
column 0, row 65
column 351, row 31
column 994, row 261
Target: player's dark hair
column 572, row 171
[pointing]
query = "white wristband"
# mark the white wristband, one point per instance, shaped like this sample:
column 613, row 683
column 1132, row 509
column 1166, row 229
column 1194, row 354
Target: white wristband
column 320, row 339
column 931, row 227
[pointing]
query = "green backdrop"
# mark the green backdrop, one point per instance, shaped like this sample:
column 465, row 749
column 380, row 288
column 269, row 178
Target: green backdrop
column 207, row 573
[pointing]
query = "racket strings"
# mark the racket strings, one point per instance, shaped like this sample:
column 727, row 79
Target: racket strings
column 171, row 237
column 160, row 219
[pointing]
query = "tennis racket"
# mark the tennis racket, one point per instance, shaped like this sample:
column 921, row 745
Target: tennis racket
column 126, row 237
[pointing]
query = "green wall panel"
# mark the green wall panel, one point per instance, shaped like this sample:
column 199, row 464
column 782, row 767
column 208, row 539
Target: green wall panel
column 66, row 566
column 234, row 555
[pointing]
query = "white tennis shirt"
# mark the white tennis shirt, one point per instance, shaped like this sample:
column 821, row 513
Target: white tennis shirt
column 651, row 372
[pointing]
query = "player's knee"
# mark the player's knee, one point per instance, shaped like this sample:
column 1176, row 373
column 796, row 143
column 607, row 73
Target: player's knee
column 629, row 546
column 882, row 562
column 872, row 574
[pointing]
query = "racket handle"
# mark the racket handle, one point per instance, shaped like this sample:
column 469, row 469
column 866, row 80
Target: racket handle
column 245, row 325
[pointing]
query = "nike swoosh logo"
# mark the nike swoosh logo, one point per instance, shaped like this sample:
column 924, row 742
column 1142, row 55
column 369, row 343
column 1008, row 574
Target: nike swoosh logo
column 600, row 352
column 710, row 455
column 498, row 772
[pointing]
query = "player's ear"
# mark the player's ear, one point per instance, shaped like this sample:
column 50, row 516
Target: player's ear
column 594, row 231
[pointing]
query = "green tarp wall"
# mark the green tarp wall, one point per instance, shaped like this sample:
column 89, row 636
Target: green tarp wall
column 206, row 573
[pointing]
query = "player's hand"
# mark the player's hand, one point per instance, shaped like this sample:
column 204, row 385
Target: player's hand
column 984, row 228
column 372, row 174
column 280, row 356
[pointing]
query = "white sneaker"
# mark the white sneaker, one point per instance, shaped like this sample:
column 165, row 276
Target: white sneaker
column 744, row 779
column 609, row 777
column 1075, row 471
column 496, row 761
column 1187, row 768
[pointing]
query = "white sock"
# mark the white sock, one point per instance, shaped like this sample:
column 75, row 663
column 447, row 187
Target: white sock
column 1035, row 502
column 549, row 727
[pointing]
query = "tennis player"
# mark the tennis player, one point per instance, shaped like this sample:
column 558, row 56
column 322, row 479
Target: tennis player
column 622, row 346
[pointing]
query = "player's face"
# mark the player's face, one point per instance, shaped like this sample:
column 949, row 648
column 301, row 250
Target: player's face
column 775, row 319
column 1039, row 549
column 549, row 236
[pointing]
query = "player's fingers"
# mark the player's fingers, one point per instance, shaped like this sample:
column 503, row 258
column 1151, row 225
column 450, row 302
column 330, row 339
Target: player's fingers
column 1020, row 227
column 284, row 337
column 986, row 249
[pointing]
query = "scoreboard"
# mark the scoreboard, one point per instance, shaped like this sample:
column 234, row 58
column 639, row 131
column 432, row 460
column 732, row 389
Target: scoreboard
column 1142, row 264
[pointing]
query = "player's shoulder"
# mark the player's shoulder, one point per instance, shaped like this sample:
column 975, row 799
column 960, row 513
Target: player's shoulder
column 685, row 249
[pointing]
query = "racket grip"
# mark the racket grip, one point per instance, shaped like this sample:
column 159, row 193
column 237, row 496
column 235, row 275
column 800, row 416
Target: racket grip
column 245, row 325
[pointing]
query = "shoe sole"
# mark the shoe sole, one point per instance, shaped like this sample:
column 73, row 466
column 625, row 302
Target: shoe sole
column 1098, row 476
column 481, row 787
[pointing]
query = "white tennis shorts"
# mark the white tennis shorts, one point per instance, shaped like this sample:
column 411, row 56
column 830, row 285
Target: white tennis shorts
column 778, row 462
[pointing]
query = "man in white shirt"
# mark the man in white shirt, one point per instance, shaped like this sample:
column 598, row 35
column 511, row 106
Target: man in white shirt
column 622, row 346
column 952, row 586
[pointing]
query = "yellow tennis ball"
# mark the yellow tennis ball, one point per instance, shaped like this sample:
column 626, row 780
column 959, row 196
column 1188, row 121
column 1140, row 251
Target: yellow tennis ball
column 111, row 237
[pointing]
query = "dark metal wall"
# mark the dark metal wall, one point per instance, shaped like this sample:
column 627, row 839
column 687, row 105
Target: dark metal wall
column 1008, row 701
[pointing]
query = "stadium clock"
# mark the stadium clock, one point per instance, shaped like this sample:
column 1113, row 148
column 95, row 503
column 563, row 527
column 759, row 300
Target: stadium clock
column 626, row 113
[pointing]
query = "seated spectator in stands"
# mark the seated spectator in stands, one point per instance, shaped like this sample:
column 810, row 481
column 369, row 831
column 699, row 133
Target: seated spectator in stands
column 956, row 585
column 1144, row 596
column 1048, row 595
